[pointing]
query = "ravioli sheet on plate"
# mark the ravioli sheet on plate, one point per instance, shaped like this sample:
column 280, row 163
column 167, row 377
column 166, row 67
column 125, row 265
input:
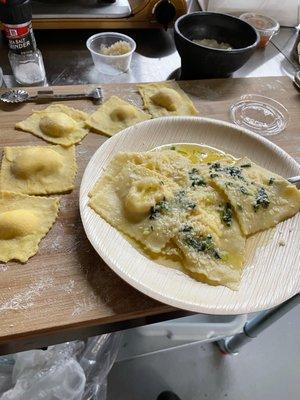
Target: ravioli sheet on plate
column 178, row 205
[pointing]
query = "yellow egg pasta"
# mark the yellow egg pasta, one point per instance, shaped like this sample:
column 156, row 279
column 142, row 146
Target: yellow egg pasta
column 193, row 209
column 166, row 98
column 38, row 169
column 114, row 115
column 58, row 124
column 24, row 221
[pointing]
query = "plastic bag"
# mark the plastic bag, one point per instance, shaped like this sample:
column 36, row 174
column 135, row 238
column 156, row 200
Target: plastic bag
column 70, row 371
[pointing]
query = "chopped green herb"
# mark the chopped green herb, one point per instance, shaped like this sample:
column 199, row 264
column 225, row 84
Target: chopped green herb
column 216, row 166
column 186, row 228
column 246, row 165
column 159, row 209
column 271, row 181
column 226, row 215
column 190, row 205
column 203, row 244
column 239, row 207
column 228, row 184
column 261, row 200
column 235, row 172
column 213, row 176
column 244, row 190
column 231, row 170
column 172, row 148
column 162, row 182
column 195, row 179
column 151, row 228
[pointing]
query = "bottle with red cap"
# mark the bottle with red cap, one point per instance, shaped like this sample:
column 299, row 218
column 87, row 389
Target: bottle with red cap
column 25, row 58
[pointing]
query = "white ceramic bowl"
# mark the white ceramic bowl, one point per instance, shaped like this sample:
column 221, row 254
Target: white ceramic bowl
column 109, row 64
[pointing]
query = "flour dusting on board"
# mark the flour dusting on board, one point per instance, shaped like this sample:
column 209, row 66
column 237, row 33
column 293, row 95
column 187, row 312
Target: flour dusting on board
column 3, row 267
column 68, row 287
column 25, row 299
column 86, row 304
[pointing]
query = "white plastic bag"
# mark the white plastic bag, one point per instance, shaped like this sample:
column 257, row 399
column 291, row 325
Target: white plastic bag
column 69, row 371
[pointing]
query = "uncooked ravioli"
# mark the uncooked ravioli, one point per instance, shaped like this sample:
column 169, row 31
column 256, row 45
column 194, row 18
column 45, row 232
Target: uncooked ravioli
column 24, row 221
column 38, row 169
column 57, row 124
column 167, row 98
column 114, row 115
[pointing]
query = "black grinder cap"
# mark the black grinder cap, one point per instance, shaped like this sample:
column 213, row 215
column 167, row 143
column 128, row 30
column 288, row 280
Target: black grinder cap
column 15, row 12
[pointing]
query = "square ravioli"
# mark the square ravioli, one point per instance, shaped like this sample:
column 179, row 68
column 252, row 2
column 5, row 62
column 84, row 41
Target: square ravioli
column 58, row 124
column 114, row 115
column 38, row 169
column 166, row 98
column 24, row 221
column 260, row 198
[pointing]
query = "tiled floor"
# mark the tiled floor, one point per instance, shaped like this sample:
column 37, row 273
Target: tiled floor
column 268, row 368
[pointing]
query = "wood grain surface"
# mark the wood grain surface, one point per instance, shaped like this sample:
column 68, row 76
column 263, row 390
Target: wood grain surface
column 66, row 290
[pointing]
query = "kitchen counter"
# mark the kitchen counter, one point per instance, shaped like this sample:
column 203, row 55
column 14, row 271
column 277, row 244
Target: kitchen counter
column 68, row 62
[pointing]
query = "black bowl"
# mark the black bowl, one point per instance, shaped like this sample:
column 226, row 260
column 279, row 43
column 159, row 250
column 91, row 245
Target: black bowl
column 199, row 61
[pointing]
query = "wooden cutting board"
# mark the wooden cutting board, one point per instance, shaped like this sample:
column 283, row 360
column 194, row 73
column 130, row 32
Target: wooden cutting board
column 66, row 291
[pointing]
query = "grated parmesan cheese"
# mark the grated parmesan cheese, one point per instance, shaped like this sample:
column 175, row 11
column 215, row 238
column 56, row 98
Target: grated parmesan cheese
column 117, row 49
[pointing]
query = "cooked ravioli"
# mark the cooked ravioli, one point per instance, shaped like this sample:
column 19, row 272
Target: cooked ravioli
column 261, row 199
column 24, row 221
column 114, row 115
column 57, row 124
column 38, row 169
column 131, row 199
column 166, row 98
column 187, row 209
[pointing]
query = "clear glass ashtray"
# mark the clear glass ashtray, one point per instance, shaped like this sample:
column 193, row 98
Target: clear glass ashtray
column 260, row 114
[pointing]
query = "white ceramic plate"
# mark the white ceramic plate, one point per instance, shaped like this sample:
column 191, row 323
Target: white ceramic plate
column 272, row 272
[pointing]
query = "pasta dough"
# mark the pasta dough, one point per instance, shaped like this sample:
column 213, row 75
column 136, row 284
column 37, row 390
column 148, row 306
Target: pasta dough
column 38, row 169
column 193, row 209
column 24, row 221
column 166, row 98
column 114, row 115
column 261, row 199
column 126, row 198
column 160, row 200
column 57, row 124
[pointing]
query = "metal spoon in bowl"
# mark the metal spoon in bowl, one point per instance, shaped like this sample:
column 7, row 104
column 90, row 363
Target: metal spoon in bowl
column 295, row 180
column 15, row 96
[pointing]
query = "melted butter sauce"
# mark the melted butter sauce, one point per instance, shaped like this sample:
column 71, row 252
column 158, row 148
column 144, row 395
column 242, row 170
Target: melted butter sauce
column 198, row 153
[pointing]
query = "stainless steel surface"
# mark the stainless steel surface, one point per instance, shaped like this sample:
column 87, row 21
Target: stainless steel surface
column 80, row 9
column 21, row 96
column 67, row 61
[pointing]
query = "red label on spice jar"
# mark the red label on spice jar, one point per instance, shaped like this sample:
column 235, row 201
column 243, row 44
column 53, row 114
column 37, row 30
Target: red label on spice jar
column 20, row 37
